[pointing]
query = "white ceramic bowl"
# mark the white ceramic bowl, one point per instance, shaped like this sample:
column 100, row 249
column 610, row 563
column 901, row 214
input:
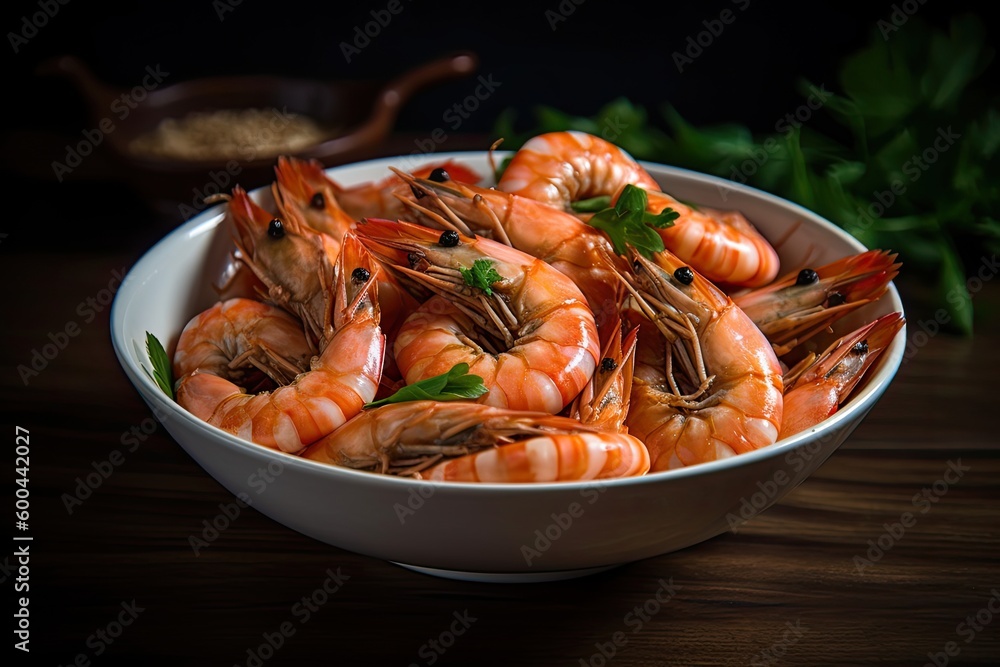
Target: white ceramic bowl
column 492, row 532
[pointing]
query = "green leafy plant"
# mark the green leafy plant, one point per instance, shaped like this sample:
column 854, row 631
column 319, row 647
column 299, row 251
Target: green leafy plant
column 481, row 275
column 455, row 385
column 913, row 166
column 628, row 222
column 161, row 375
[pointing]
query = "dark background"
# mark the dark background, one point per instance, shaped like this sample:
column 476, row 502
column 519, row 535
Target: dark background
column 602, row 50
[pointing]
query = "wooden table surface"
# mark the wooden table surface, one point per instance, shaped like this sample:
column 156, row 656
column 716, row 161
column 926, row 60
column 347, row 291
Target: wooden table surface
column 788, row 588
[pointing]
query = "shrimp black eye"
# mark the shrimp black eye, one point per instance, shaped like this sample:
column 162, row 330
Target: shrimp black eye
column 417, row 192
column 636, row 266
column 806, row 277
column 449, row 239
column 439, row 175
column 360, row 275
column 860, row 347
column 835, row 299
column 276, row 229
column 684, row 275
column 318, row 201
column 608, row 364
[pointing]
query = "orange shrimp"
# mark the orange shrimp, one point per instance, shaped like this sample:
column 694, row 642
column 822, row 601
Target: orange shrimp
column 340, row 381
column 304, row 185
column 718, row 392
column 721, row 245
column 492, row 445
column 604, row 401
column 559, row 168
column 529, row 334
column 293, row 261
column 379, row 199
column 818, row 391
column 800, row 305
column 573, row 247
column 244, row 341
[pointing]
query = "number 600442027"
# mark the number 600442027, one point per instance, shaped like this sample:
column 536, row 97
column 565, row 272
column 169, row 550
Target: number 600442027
column 21, row 463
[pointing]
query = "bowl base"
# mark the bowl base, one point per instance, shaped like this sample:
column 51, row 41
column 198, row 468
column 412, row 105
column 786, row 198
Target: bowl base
column 507, row 577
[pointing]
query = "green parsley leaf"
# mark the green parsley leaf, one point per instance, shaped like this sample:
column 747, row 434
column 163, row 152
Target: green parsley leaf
column 161, row 375
column 629, row 224
column 455, row 385
column 592, row 205
column 481, row 275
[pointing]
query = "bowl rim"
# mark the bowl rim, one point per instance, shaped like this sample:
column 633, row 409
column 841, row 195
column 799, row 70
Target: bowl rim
column 209, row 219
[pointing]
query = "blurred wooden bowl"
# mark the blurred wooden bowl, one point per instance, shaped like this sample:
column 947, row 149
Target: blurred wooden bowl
column 357, row 116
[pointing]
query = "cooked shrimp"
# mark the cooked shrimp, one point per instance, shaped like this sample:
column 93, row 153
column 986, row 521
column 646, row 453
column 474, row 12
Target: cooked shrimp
column 304, row 185
column 721, row 245
column 492, row 445
column 818, row 391
column 379, row 199
column 718, row 391
column 800, row 305
column 529, row 334
column 295, row 264
column 294, row 261
column 604, row 402
column 243, row 340
column 573, row 247
column 236, row 281
column 340, row 381
column 559, row 168
column 549, row 458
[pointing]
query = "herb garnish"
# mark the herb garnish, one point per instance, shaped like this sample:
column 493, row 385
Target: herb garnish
column 481, row 275
column 629, row 224
column 161, row 374
column 455, row 385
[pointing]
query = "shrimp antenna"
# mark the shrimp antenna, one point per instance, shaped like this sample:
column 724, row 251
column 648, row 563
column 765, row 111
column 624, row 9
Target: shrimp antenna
column 493, row 147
